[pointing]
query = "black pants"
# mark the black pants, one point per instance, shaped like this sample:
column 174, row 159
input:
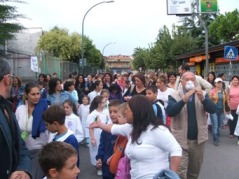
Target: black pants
column 232, row 123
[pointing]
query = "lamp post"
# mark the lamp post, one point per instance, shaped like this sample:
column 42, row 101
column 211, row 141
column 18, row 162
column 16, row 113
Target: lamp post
column 106, row 46
column 82, row 38
column 104, row 50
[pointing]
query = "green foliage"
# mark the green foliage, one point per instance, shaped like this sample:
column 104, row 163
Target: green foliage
column 59, row 43
column 7, row 27
column 226, row 27
column 139, row 57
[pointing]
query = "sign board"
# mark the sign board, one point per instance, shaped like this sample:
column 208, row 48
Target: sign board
column 208, row 6
column 230, row 53
column 34, row 64
column 179, row 7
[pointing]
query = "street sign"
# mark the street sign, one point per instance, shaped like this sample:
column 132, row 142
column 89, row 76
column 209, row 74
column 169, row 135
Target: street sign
column 230, row 53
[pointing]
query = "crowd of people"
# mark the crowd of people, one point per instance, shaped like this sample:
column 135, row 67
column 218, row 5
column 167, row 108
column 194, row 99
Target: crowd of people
column 117, row 116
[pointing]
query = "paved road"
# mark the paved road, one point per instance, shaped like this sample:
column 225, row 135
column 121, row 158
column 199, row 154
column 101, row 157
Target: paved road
column 220, row 162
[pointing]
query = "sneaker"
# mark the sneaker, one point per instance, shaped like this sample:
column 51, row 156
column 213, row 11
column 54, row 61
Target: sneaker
column 99, row 172
column 216, row 143
column 238, row 142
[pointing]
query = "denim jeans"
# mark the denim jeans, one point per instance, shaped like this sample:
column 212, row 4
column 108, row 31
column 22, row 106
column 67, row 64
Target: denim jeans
column 216, row 120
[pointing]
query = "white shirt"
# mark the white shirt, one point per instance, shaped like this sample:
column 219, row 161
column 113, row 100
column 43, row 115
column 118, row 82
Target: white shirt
column 152, row 155
column 73, row 123
column 25, row 124
column 164, row 95
column 93, row 94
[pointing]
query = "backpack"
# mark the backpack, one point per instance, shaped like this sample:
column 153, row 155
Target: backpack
column 119, row 147
column 123, row 171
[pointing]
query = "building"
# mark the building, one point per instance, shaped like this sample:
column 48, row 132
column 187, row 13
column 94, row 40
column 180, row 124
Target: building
column 119, row 63
column 197, row 60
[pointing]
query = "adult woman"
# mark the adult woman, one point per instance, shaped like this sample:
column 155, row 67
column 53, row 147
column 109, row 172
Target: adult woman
column 55, row 94
column 138, row 88
column 147, row 136
column 211, row 78
column 163, row 90
column 80, row 87
column 107, row 80
column 30, row 121
column 234, row 102
column 16, row 94
column 172, row 79
column 219, row 96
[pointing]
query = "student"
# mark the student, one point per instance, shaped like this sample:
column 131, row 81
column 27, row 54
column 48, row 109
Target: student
column 97, row 109
column 107, row 141
column 72, row 121
column 83, row 112
column 120, row 142
column 69, row 86
column 59, row 160
column 159, row 111
column 54, row 118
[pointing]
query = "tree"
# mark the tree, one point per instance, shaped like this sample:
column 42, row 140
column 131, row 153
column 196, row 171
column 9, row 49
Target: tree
column 7, row 27
column 226, row 27
column 139, row 57
column 59, row 43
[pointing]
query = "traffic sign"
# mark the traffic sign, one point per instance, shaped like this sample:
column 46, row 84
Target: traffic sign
column 230, row 53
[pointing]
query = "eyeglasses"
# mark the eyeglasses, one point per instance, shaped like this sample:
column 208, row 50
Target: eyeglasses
column 12, row 76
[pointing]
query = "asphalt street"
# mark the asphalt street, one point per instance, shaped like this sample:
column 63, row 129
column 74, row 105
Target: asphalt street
column 221, row 162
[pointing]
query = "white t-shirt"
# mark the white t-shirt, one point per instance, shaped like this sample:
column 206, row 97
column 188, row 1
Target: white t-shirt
column 152, row 154
column 73, row 123
column 25, row 124
column 93, row 94
column 83, row 112
column 164, row 95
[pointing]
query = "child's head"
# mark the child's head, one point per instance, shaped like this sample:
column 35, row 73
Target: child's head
column 98, row 102
column 85, row 100
column 69, row 107
column 121, row 113
column 105, row 93
column 54, row 116
column 115, row 89
column 59, row 160
column 151, row 93
column 69, row 85
column 114, row 109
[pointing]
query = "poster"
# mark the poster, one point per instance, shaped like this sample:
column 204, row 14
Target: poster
column 209, row 6
column 179, row 7
column 34, row 64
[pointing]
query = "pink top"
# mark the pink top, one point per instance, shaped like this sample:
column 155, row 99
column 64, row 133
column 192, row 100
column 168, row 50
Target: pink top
column 234, row 97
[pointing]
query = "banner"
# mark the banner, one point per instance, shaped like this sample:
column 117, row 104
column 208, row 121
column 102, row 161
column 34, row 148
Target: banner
column 209, row 6
column 34, row 64
column 179, row 7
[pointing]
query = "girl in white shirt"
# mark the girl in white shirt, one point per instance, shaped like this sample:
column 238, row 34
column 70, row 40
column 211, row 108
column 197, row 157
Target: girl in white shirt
column 151, row 147
column 97, row 109
column 72, row 121
column 83, row 112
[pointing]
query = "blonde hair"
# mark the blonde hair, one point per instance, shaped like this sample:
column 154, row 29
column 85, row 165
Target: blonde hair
column 122, row 108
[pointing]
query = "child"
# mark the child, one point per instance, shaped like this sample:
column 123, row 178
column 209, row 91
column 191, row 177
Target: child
column 59, row 160
column 120, row 143
column 97, row 109
column 115, row 92
column 83, row 112
column 159, row 111
column 69, row 86
column 42, row 89
column 72, row 121
column 106, row 94
column 54, row 118
column 107, row 141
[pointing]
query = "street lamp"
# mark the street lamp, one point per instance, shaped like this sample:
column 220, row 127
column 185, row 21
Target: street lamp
column 106, row 46
column 82, row 38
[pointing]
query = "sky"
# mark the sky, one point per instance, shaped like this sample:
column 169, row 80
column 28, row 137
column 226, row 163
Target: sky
column 117, row 27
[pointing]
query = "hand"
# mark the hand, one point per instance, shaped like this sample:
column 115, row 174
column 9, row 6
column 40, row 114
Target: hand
column 199, row 93
column 99, row 163
column 108, row 160
column 188, row 95
column 93, row 141
column 19, row 175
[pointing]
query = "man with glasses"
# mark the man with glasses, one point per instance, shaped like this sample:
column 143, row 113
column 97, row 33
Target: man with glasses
column 15, row 161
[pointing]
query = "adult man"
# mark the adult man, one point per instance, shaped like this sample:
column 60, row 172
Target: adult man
column 15, row 161
column 188, row 107
column 199, row 80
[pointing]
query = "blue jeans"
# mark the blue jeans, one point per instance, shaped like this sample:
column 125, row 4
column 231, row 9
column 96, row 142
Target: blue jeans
column 216, row 120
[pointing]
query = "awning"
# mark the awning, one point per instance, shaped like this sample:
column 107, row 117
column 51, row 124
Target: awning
column 198, row 59
column 223, row 60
